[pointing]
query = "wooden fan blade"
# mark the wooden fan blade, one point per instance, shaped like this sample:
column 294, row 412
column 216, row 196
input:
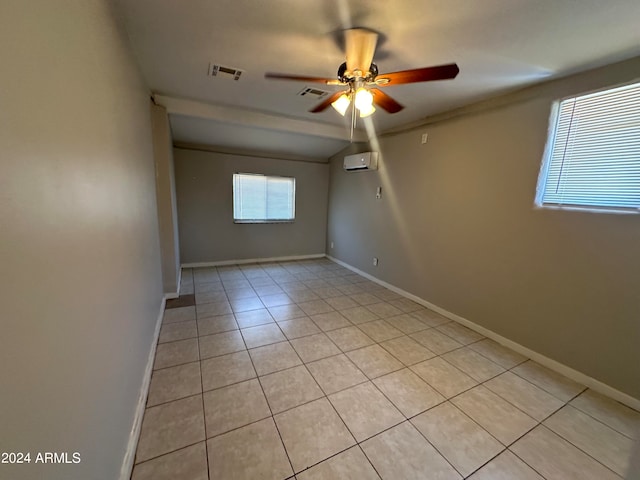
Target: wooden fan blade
column 360, row 46
column 384, row 101
column 427, row 74
column 301, row 78
column 322, row 106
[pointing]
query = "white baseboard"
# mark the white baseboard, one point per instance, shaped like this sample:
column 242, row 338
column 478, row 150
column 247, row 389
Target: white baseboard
column 551, row 364
column 244, row 261
column 134, row 435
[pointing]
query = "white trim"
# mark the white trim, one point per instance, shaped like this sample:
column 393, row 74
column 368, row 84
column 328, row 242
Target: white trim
column 551, row 364
column 244, row 261
column 134, row 435
column 172, row 295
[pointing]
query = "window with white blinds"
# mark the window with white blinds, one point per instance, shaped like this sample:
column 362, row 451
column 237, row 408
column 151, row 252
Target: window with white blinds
column 263, row 199
column 592, row 159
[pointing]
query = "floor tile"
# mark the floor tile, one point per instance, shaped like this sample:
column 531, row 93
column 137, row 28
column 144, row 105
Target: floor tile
column 406, row 323
column 410, row 394
column 350, row 464
column 444, row 377
column 402, row 453
column 435, row 341
column 218, row 324
column 271, row 358
column 407, row 350
column 234, row 406
column 314, row 347
column 374, row 361
column 556, row 459
column 506, row 466
column 465, row 444
column 302, row 296
column 276, row 300
column 221, row 344
column 460, row 333
column 173, row 383
column 176, row 353
column 180, row 314
column 187, row 463
column 384, row 293
column 430, row 317
column 335, row 373
column 238, row 293
column 249, row 453
column 557, row 385
column 383, row 309
column 246, row 304
column 312, row 432
column 341, row 303
column 592, row 437
column 380, row 330
column 207, row 287
column 298, row 327
column 286, row 312
column 330, row 321
column 262, row 335
column 170, row 426
column 473, row 364
column 315, row 307
column 619, row 417
column 267, row 290
column 177, row 331
column 365, row 299
column 359, row 315
column 365, row 410
column 212, row 309
column 221, row 371
column 405, row 305
column 532, row 400
column 210, row 297
column 349, row 338
column 290, row 388
column 498, row 417
column 327, row 292
column 253, row 318
column 495, row 352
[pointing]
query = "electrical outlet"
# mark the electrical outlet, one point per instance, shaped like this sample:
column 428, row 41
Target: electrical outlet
column 331, row 244
column 375, row 261
column 425, row 136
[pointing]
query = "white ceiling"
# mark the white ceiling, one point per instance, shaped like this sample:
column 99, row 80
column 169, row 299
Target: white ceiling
column 499, row 45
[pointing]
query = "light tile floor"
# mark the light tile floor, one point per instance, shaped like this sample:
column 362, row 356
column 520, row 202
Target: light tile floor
column 305, row 370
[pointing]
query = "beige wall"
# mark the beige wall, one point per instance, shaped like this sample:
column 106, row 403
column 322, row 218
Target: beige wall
column 81, row 281
column 166, row 195
column 205, row 208
column 457, row 227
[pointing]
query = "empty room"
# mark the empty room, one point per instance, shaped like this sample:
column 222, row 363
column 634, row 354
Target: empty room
column 328, row 240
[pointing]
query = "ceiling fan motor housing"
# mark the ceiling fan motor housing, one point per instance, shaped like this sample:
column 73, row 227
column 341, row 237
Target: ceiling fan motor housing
column 347, row 77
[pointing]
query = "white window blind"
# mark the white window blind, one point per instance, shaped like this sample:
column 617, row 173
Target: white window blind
column 261, row 198
column 593, row 153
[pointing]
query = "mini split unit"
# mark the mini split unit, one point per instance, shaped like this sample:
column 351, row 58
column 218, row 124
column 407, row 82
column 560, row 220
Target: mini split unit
column 361, row 162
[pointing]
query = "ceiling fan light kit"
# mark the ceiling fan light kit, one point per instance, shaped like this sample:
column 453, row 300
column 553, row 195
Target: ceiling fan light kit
column 360, row 75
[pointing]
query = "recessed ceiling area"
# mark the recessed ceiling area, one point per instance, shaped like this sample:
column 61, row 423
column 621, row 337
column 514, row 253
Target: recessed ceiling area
column 499, row 45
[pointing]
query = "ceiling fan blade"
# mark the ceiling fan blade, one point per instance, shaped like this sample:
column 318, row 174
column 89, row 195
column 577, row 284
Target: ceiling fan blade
column 360, row 46
column 301, row 78
column 427, row 74
column 322, row 106
column 385, row 102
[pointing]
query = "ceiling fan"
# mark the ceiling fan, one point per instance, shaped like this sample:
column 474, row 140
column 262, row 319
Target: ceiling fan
column 360, row 75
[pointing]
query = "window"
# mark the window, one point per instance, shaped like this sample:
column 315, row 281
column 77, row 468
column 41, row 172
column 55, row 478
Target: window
column 263, row 199
column 592, row 158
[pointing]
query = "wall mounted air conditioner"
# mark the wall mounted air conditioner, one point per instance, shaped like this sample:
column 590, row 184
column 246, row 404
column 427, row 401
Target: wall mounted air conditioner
column 361, row 162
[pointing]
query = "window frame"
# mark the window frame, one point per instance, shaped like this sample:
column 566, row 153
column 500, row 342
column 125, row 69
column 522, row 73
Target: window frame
column 262, row 221
column 552, row 130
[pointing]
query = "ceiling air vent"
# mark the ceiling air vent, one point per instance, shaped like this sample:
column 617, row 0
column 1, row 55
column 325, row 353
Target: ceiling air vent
column 313, row 92
column 222, row 71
